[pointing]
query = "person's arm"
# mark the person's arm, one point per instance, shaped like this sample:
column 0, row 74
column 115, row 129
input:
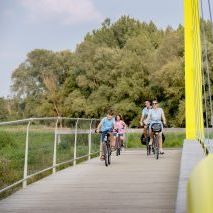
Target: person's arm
column 148, row 118
column 99, row 126
column 124, row 125
column 141, row 120
column 163, row 117
column 142, row 117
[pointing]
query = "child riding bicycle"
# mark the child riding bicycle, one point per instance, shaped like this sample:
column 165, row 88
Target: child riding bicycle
column 120, row 128
column 144, row 116
column 106, row 126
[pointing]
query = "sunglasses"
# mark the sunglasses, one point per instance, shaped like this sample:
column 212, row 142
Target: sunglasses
column 154, row 103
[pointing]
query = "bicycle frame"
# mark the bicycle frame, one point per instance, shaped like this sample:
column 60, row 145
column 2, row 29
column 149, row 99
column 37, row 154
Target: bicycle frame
column 118, row 144
column 147, row 139
column 107, row 149
column 156, row 144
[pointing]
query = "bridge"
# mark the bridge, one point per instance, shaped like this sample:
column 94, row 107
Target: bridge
column 58, row 167
column 132, row 183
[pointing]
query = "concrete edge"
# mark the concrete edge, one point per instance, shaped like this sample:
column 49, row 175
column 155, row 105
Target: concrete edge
column 192, row 153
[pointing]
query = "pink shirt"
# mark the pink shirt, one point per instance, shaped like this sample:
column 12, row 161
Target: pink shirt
column 120, row 125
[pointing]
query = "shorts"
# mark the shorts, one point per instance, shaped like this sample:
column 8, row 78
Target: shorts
column 153, row 122
column 104, row 134
column 120, row 134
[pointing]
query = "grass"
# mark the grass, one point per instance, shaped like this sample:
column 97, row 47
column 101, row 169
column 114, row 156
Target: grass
column 172, row 140
column 41, row 143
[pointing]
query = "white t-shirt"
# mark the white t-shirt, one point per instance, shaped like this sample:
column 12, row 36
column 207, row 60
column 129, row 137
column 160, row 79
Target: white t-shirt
column 155, row 114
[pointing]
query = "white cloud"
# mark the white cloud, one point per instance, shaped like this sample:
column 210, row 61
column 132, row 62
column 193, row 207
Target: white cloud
column 64, row 11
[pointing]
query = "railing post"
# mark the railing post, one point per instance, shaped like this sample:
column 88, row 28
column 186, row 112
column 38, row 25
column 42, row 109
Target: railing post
column 26, row 155
column 55, row 147
column 90, row 139
column 75, row 144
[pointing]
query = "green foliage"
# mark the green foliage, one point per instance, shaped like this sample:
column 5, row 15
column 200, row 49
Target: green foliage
column 117, row 66
column 172, row 140
column 3, row 109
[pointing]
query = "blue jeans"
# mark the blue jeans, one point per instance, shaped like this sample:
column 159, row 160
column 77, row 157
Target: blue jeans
column 104, row 134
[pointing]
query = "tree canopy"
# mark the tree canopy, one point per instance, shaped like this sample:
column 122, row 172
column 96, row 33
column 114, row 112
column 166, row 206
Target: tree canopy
column 118, row 66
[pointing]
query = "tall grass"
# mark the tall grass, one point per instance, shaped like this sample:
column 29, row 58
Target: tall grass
column 40, row 155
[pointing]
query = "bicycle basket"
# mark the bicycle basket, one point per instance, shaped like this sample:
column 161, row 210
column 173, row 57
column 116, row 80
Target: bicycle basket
column 156, row 127
column 143, row 142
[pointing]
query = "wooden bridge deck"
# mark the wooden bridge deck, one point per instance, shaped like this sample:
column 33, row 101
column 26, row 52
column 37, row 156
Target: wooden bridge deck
column 133, row 183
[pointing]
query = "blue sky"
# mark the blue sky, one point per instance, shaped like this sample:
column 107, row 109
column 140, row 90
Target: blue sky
column 61, row 24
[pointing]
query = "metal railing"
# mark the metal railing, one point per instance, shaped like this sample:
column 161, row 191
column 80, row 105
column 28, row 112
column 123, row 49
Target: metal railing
column 44, row 144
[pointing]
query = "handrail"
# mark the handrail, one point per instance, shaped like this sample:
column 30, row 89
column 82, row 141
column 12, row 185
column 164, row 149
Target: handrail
column 44, row 118
column 28, row 122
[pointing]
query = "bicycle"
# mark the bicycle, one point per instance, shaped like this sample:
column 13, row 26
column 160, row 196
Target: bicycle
column 106, row 148
column 156, row 129
column 145, row 141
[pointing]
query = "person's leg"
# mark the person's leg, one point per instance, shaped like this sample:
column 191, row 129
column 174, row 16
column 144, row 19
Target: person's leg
column 101, row 149
column 145, row 131
column 151, row 137
column 112, row 140
column 160, row 142
column 122, row 139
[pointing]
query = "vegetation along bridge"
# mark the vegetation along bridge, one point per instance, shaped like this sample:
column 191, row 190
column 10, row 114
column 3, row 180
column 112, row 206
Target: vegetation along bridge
column 36, row 155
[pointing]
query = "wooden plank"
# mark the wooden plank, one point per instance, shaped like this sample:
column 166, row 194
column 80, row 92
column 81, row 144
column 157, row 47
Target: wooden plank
column 133, row 183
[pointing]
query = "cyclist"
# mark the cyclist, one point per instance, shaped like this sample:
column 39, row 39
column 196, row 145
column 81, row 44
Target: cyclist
column 106, row 125
column 156, row 115
column 144, row 115
column 120, row 126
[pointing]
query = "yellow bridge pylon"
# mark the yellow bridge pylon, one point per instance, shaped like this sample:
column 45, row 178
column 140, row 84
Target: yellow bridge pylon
column 193, row 74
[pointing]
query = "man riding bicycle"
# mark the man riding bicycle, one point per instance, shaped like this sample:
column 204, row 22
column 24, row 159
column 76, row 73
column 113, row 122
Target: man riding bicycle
column 144, row 116
column 156, row 115
column 106, row 125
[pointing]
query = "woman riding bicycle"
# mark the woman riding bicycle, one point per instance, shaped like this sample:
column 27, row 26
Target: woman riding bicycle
column 156, row 115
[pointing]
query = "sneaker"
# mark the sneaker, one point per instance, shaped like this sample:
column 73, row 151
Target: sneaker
column 113, row 148
column 162, row 152
column 102, row 157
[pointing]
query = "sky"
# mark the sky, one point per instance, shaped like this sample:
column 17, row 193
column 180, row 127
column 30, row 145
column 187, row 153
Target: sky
column 62, row 24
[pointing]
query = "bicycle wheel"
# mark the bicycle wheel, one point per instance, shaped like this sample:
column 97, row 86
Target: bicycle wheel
column 108, row 153
column 116, row 146
column 148, row 147
column 156, row 147
column 105, row 150
column 118, row 150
